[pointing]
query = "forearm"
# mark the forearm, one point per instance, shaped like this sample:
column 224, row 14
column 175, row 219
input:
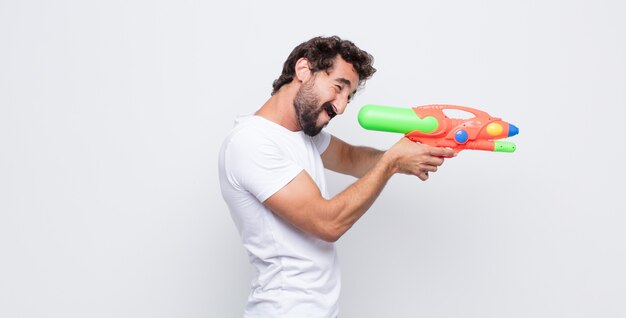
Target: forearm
column 301, row 203
column 344, row 209
column 348, row 159
column 363, row 159
column 404, row 157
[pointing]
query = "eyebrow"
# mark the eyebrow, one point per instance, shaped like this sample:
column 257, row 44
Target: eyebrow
column 344, row 81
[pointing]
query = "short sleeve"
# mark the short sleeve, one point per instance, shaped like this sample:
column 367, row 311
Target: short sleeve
column 258, row 166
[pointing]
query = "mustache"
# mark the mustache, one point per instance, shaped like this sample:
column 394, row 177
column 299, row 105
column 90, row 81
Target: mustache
column 330, row 109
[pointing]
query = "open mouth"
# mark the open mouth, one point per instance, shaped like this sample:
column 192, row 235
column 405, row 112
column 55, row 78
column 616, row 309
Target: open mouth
column 330, row 110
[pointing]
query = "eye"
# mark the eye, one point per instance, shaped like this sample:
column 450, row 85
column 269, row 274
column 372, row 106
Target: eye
column 338, row 88
column 351, row 96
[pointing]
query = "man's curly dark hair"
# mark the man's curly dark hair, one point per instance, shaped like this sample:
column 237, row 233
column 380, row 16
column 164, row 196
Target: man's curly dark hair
column 321, row 53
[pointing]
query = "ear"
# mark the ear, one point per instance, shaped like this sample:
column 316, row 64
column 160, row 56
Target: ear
column 303, row 70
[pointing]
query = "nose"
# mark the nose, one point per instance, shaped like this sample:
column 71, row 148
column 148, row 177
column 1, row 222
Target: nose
column 341, row 103
column 339, row 108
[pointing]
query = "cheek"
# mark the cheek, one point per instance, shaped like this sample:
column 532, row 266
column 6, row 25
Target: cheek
column 323, row 94
column 327, row 95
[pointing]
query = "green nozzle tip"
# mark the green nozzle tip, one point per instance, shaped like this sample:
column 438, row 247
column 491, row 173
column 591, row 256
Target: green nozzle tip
column 504, row 146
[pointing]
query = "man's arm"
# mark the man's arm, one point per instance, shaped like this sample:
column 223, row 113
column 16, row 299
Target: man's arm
column 301, row 203
column 348, row 159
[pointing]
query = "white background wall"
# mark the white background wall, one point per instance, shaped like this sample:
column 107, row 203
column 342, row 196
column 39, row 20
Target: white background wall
column 112, row 113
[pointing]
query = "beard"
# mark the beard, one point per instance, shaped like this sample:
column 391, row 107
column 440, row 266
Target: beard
column 307, row 110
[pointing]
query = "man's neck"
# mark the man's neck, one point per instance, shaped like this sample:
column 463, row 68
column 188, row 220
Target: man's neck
column 279, row 109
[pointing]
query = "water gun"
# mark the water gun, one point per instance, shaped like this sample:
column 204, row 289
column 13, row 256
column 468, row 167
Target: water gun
column 429, row 125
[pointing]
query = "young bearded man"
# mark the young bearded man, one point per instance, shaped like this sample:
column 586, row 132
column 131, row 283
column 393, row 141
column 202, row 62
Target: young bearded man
column 271, row 169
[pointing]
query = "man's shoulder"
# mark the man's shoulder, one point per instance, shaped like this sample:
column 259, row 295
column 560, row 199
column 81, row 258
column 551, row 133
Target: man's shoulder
column 249, row 133
column 249, row 126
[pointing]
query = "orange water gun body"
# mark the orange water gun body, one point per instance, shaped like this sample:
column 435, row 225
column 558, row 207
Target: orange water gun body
column 429, row 125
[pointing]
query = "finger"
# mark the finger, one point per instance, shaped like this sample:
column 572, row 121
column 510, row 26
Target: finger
column 434, row 161
column 423, row 176
column 442, row 152
column 429, row 168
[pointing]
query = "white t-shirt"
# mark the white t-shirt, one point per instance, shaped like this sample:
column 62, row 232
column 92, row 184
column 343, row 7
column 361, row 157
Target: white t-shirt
column 297, row 275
